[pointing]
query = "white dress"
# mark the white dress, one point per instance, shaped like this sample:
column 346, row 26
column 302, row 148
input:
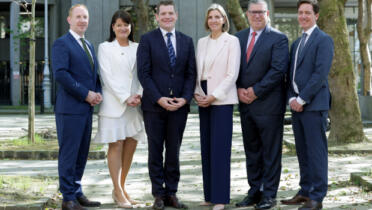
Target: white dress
column 116, row 120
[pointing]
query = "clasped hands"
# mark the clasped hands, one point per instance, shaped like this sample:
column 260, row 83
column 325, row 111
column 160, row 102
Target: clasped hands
column 246, row 96
column 295, row 106
column 94, row 98
column 134, row 100
column 171, row 104
column 204, row 101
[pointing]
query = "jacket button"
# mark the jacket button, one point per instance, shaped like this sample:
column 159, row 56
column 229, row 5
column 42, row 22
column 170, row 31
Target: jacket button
column 172, row 75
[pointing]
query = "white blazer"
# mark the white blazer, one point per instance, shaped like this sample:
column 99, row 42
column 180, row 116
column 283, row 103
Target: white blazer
column 117, row 76
column 224, row 70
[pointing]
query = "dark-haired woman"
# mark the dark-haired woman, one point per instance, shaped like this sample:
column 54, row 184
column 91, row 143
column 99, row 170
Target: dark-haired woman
column 120, row 121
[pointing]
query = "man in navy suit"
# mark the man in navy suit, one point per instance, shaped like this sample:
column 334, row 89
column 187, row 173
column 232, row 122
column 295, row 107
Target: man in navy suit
column 74, row 66
column 261, row 91
column 309, row 99
column 166, row 70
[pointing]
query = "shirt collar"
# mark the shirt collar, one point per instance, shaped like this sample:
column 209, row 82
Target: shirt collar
column 75, row 35
column 164, row 32
column 257, row 32
column 310, row 30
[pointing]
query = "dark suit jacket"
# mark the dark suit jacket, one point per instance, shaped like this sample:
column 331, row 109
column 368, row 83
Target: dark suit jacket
column 155, row 73
column 265, row 71
column 312, row 70
column 74, row 74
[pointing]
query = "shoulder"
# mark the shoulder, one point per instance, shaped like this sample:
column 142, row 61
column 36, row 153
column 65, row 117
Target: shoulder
column 242, row 33
column 230, row 37
column 150, row 34
column 275, row 32
column 104, row 45
column 324, row 35
column 183, row 36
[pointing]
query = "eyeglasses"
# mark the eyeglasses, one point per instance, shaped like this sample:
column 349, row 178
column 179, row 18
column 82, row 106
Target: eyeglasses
column 256, row 12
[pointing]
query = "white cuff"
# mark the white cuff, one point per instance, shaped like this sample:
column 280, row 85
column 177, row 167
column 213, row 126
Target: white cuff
column 291, row 99
column 300, row 101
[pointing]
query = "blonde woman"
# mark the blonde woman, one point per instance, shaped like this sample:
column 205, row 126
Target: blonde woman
column 218, row 62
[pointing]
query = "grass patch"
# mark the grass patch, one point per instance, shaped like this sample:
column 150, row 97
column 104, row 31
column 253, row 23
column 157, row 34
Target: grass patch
column 24, row 189
column 41, row 144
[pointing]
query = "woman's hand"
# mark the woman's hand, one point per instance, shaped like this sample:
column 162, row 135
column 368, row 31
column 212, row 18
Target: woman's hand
column 134, row 100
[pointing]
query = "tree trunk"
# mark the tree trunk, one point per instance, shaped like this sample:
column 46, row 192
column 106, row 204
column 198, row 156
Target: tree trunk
column 237, row 15
column 31, row 77
column 346, row 122
column 364, row 34
column 141, row 9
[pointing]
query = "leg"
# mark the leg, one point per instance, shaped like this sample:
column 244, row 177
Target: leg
column 204, row 116
column 221, row 136
column 129, row 147
column 155, row 129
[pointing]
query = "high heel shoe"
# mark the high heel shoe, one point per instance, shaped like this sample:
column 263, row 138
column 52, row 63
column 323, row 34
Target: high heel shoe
column 133, row 202
column 219, row 207
column 121, row 204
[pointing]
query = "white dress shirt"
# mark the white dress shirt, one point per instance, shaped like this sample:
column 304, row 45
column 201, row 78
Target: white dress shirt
column 77, row 37
column 173, row 38
column 258, row 33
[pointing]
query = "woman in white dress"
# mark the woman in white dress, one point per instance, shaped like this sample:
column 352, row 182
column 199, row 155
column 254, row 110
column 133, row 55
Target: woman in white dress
column 120, row 122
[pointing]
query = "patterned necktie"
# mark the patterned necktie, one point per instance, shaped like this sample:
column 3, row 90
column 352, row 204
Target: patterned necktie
column 303, row 40
column 251, row 45
column 87, row 52
column 171, row 53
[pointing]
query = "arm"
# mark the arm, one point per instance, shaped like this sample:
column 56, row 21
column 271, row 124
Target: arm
column 144, row 68
column 279, row 64
column 323, row 63
column 190, row 74
column 60, row 65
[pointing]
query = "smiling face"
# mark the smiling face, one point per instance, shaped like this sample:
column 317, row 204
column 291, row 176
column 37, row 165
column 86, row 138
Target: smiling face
column 258, row 16
column 215, row 21
column 306, row 16
column 121, row 29
column 166, row 17
column 79, row 20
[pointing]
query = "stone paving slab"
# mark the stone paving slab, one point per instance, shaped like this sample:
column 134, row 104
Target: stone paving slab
column 97, row 182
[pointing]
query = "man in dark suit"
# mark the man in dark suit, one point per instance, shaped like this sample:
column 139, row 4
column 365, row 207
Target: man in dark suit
column 166, row 70
column 261, row 91
column 74, row 66
column 309, row 99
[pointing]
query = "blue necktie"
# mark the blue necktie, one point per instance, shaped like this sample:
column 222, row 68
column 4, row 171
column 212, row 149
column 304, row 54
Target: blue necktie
column 301, row 47
column 171, row 53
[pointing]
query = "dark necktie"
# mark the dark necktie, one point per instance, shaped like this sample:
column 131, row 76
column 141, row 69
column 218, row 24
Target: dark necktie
column 251, row 45
column 171, row 53
column 302, row 44
column 87, row 52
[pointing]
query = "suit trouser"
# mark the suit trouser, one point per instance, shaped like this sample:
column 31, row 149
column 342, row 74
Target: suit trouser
column 74, row 134
column 164, row 128
column 262, row 137
column 309, row 129
column 216, row 127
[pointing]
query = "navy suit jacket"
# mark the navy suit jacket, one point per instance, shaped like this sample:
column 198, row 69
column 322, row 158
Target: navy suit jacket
column 265, row 71
column 312, row 70
column 155, row 73
column 74, row 74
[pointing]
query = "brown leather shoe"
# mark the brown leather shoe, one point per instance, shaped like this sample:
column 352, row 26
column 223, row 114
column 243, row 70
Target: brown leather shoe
column 87, row 203
column 158, row 203
column 72, row 205
column 173, row 201
column 311, row 205
column 296, row 200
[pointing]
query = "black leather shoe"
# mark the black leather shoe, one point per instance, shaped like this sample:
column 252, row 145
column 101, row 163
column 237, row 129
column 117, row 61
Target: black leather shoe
column 158, row 203
column 248, row 201
column 87, row 203
column 266, row 203
column 173, row 201
column 296, row 200
column 72, row 205
column 311, row 205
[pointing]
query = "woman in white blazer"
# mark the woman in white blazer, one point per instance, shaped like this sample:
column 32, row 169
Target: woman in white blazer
column 218, row 61
column 120, row 122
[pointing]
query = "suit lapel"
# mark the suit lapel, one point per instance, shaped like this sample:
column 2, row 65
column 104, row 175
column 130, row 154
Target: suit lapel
column 243, row 46
column 179, row 46
column 259, row 42
column 164, row 49
column 84, row 56
column 308, row 44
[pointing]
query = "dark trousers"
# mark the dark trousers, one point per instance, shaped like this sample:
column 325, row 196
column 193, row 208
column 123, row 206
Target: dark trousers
column 312, row 151
column 74, row 133
column 164, row 128
column 216, row 126
column 262, row 137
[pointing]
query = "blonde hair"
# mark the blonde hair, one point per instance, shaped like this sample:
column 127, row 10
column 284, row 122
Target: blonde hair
column 219, row 8
column 75, row 6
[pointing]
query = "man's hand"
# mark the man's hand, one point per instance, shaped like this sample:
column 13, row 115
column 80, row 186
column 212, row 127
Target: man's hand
column 93, row 98
column 251, row 95
column 295, row 106
column 167, row 103
column 134, row 100
column 243, row 95
column 178, row 102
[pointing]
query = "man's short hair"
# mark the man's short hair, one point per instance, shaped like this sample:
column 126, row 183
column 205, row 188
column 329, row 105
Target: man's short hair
column 313, row 3
column 165, row 3
column 219, row 8
column 75, row 6
column 257, row 2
